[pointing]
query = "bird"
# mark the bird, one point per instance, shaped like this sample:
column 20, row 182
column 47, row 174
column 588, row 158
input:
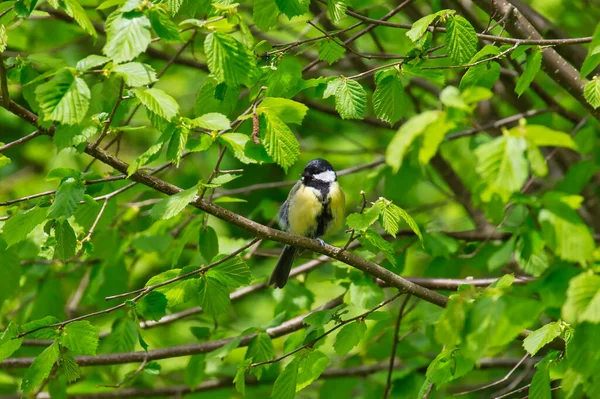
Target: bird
column 314, row 207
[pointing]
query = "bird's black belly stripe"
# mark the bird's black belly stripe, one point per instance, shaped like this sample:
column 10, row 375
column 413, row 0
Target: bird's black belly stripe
column 323, row 220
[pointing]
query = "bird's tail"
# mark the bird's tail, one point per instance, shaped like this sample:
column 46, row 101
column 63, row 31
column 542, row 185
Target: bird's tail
column 282, row 269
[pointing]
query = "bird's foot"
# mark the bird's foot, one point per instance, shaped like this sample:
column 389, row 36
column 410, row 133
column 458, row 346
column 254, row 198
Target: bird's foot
column 321, row 242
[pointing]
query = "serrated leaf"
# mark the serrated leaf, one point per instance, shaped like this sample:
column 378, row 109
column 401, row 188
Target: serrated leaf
column 237, row 142
column 349, row 336
column 69, row 367
column 177, row 292
column 224, row 179
column 433, row 136
column 80, row 337
column 391, row 216
column 177, row 144
column 213, row 296
column 153, row 306
column 228, row 60
column 8, row 342
column 172, row 205
column 67, row 198
column 265, row 14
column 592, row 60
column 536, row 160
column 544, row 136
column 240, row 379
column 284, row 80
column 389, row 99
column 127, row 35
column 211, row 121
column 158, row 102
column 591, row 92
column 232, row 273
column 365, row 294
column 537, row 339
column 18, row 227
column 583, row 299
column 534, row 63
column 350, row 99
column 293, row 8
column 135, row 74
column 501, row 164
column 362, row 221
column 289, row 111
column 66, row 240
column 91, row 61
column 122, row 337
column 260, row 350
column 540, row 384
column 405, row 136
column 279, row 141
column 77, row 12
column 42, row 333
column 419, row 27
column 65, row 98
column 174, row 6
column 40, row 368
column 208, row 243
column 216, row 97
column 195, row 371
column 310, row 367
column 336, row 10
column 461, row 40
column 331, row 50
column 164, row 27
column 374, row 243
column 285, row 385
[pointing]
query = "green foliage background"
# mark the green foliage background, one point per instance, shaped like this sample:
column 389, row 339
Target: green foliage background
column 467, row 148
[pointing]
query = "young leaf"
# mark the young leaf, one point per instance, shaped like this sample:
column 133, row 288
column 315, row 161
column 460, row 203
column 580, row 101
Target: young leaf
column 153, row 152
column 18, row 227
column 213, row 296
column 211, row 121
column 365, row 294
column 391, row 216
column 40, row 368
column 228, row 60
column 292, row 8
column 543, row 136
column 127, row 35
column 76, row 11
column 91, row 61
column 80, row 337
column 171, row 206
column 195, row 371
column 540, row 383
column 592, row 60
column 350, row 99
column 583, row 299
column 283, row 81
column 67, row 198
column 69, row 367
column 66, row 240
column 65, row 98
column 285, row 385
column 349, row 336
column 153, row 306
column 240, row 377
column 331, row 50
column 310, row 367
column 265, row 14
column 177, row 144
column 232, row 273
column 279, row 140
column 374, row 243
column 542, row 336
column 164, row 27
column 237, row 142
column 484, row 74
column 135, row 74
column 122, row 337
column 420, row 26
column 216, row 97
column 534, row 63
column 208, row 243
column 260, row 350
column 336, row 10
column 8, row 342
column 389, row 99
column 158, row 102
column 289, row 111
column 461, row 40
column 591, row 92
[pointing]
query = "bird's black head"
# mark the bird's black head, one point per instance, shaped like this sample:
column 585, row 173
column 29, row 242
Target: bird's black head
column 318, row 170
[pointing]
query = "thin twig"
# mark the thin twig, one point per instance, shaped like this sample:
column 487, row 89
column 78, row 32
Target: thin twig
column 107, row 123
column 500, row 381
column 388, row 385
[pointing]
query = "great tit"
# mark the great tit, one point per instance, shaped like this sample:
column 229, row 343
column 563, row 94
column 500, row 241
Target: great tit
column 314, row 207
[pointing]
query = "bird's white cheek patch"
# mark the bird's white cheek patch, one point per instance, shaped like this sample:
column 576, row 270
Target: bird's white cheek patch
column 328, row 176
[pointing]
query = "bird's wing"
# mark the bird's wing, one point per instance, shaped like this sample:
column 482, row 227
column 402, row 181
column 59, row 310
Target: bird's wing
column 282, row 215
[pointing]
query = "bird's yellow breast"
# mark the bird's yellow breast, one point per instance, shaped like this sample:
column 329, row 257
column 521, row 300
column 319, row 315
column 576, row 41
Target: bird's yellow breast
column 304, row 208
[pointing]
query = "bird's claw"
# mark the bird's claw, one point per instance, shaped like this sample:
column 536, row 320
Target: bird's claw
column 321, row 242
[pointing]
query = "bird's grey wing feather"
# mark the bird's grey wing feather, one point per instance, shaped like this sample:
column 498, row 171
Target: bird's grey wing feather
column 282, row 215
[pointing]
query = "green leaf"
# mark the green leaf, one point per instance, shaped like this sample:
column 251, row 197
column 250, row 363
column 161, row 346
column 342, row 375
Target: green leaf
column 40, row 368
column 279, row 141
column 153, row 152
column 544, row 136
column 232, row 273
column 8, row 342
column 583, row 299
column 265, row 13
column 237, row 142
column 365, row 294
column 451, row 97
column 542, row 336
column 534, row 63
column 177, row 144
column 419, row 27
column 502, row 165
column 260, row 350
column 65, row 98
column 331, row 50
column 67, row 198
column 135, row 74
column 80, row 337
column 153, row 306
column 195, row 371
column 289, row 111
column 158, row 102
column 540, row 383
column 199, row 145
column 216, row 97
column 406, row 134
column 391, row 216
column 310, row 368
column 228, row 60
column 122, row 337
column 433, row 136
column 350, row 98
column 213, row 296
column 283, row 81
column 127, row 35
column 174, row 6
column 173, row 205
column 374, row 243
column 361, row 222
column 18, row 227
column 177, row 292
column 336, row 10
column 240, row 377
column 285, row 385
column 91, row 61
column 224, row 179
column 76, row 11
column 69, row 367
column 292, row 8
column 208, row 243
column 592, row 60
column 447, row 366
column 349, row 336
column 389, row 99
column 591, row 92
column 42, row 333
column 66, row 240
column 536, row 160
column 164, row 27
column 211, row 121
column 484, row 74
column 461, row 40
